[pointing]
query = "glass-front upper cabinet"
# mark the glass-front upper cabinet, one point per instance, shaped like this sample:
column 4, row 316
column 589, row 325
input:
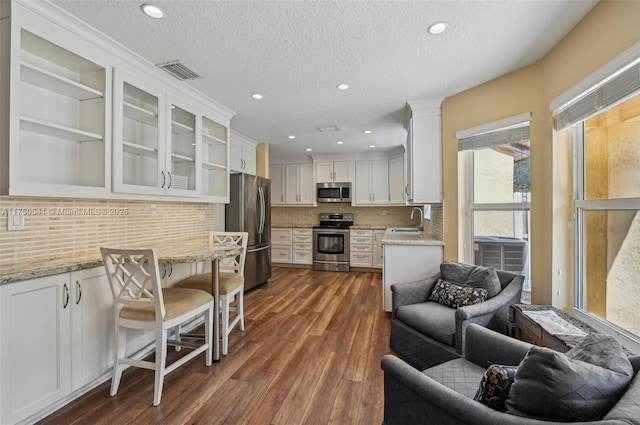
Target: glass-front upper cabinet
column 138, row 161
column 180, row 172
column 156, row 147
column 215, row 160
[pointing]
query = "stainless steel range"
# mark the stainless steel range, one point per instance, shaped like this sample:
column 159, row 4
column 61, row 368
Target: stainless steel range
column 331, row 242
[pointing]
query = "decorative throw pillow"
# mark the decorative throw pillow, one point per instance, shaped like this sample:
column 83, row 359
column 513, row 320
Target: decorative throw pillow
column 456, row 296
column 556, row 386
column 470, row 275
column 495, row 385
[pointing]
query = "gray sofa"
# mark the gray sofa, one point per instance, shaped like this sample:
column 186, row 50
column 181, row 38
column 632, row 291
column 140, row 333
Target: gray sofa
column 425, row 333
column 443, row 394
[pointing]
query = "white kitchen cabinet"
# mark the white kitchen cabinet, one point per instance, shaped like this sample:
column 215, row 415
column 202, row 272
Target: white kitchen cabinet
column 397, row 194
column 298, row 184
column 156, row 140
column 243, row 154
column 276, row 174
column 91, row 326
column 407, row 263
column 361, row 247
column 302, row 246
column 35, row 361
column 215, row 160
column 291, row 184
column 424, row 153
column 281, row 245
column 333, row 171
column 59, row 107
column 378, row 252
column 372, row 182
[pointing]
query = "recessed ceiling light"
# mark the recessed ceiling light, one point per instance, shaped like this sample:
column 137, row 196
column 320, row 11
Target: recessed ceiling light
column 437, row 28
column 372, row 146
column 292, row 137
column 367, row 132
column 152, row 11
column 256, row 96
column 340, row 142
column 309, row 149
column 343, row 86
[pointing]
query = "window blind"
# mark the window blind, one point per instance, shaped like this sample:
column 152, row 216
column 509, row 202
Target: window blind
column 604, row 95
column 514, row 134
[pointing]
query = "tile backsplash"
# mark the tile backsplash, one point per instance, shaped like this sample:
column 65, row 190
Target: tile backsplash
column 388, row 216
column 78, row 227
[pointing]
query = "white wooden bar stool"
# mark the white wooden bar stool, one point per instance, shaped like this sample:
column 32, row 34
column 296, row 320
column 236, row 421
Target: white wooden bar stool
column 141, row 303
column 231, row 283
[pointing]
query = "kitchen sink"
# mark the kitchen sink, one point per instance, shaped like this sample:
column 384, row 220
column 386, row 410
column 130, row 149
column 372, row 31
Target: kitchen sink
column 405, row 230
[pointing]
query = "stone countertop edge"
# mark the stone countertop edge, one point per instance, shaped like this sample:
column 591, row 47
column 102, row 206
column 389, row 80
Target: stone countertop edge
column 423, row 239
column 355, row 227
column 172, row 251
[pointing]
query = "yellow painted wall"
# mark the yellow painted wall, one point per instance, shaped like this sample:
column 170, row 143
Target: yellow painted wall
column 610, row 28
column 262, row 160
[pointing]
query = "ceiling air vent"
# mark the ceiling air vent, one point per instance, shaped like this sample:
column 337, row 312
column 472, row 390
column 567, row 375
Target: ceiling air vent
column 328, row 129
column 178, row 70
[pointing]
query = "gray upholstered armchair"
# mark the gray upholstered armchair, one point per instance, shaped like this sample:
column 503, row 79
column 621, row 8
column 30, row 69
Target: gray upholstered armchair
column 426, row 333
column 444, row 394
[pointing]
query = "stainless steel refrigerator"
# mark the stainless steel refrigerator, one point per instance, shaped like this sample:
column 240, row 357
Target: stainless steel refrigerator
column 249, row 210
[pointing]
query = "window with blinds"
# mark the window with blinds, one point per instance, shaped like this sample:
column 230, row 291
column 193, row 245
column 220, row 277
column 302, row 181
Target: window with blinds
column 498, row 191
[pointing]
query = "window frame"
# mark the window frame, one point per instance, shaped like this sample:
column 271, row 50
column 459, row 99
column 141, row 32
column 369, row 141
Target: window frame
column 579, row 208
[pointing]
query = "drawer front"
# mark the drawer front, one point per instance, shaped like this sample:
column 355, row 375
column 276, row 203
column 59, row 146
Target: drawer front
column 302, row 232
column 303, row 246
column 362, row 240
column 365, row 232
column 281, row 254
column 361, row 248
column 361, row 259
column 304, row 239
column 302, row 257
column 280, row 236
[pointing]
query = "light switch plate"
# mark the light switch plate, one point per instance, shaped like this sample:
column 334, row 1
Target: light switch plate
column 15, row 222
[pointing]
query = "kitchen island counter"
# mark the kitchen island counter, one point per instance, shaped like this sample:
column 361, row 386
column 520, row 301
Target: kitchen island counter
column 423, row 238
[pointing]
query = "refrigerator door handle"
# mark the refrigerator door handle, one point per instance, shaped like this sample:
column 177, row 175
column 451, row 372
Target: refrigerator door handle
column 262, row 212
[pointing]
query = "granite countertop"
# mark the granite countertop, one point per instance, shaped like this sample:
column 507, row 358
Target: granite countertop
column 411, row 239
column 175, row 251
column 292, row 226
column 367, row 227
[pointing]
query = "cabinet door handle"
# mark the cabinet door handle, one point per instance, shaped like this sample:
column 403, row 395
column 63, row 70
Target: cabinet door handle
column 170, row 269
column 79, row 292
column 66, row 296
column 164, row 271
column 162, row 174
column 169, row 185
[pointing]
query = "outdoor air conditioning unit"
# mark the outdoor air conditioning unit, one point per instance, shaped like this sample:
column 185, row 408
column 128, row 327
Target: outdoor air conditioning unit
column 501, row 253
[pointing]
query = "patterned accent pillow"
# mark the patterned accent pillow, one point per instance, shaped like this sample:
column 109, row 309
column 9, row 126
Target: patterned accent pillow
column 495, row 385
column 456, row 296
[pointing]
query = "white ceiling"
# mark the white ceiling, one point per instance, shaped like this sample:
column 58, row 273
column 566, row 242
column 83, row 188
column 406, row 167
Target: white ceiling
column 295, row 53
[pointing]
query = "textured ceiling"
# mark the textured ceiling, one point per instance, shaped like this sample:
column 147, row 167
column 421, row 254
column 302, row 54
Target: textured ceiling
column 295, row 53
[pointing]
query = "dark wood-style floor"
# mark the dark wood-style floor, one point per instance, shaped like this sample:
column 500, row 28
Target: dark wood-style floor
column 310, row 354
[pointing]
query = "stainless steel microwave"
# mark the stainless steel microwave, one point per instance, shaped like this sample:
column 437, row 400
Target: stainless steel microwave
column 333, row 192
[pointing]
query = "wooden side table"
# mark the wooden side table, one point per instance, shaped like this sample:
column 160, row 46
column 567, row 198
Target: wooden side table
column 526, row 329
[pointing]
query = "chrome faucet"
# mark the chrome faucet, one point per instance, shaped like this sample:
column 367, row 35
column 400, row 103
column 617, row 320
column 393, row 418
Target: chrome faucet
column 421, row 227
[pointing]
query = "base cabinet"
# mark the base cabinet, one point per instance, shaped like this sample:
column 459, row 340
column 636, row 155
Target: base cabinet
column 56, row 337
column 408, row 263
column 91, row 326
column 281, row 246
column 35, row 355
